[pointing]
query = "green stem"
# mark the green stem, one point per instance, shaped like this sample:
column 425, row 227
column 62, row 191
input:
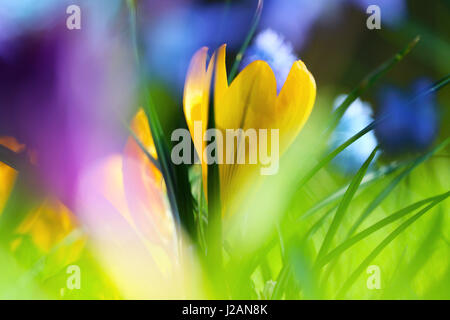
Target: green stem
column 247, row 40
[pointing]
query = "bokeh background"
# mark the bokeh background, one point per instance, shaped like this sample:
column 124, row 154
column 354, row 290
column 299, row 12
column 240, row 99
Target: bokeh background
column 67, row 98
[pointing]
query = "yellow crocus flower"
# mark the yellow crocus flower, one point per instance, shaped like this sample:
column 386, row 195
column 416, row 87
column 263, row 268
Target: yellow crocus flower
column 249, row 102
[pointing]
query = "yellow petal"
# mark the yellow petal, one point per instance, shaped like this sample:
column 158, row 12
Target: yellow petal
column 294, row 103
column 141, row 129
column 249, row 102
column 196, row 100
column 221, row 79
column 196, row 92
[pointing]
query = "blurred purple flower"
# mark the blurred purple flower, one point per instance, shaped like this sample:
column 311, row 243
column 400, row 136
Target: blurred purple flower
column 60, row 96
column 292, row 18
column 408, row 125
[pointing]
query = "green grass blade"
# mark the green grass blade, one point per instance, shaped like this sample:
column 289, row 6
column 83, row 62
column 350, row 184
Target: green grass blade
column 368, row 82
column 344, row 204
column 349, row 282
column 386, row 191
column 325, row 160
column 422, row 255
column 319, row 222
column 377, row 226
column 273, row 241
column 435, row 87
column 305, row 279
column 367, row 181
column 176, row 179
column 281, row 282
column 214, row 229
column 163, row 153
column 247, row 40
column 142, row 147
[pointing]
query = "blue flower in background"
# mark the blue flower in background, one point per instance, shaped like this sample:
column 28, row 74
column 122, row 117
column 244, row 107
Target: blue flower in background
column 357, row 116
column 292, row 18
column 271, row 47
column 408, row 125
column 176, row 34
